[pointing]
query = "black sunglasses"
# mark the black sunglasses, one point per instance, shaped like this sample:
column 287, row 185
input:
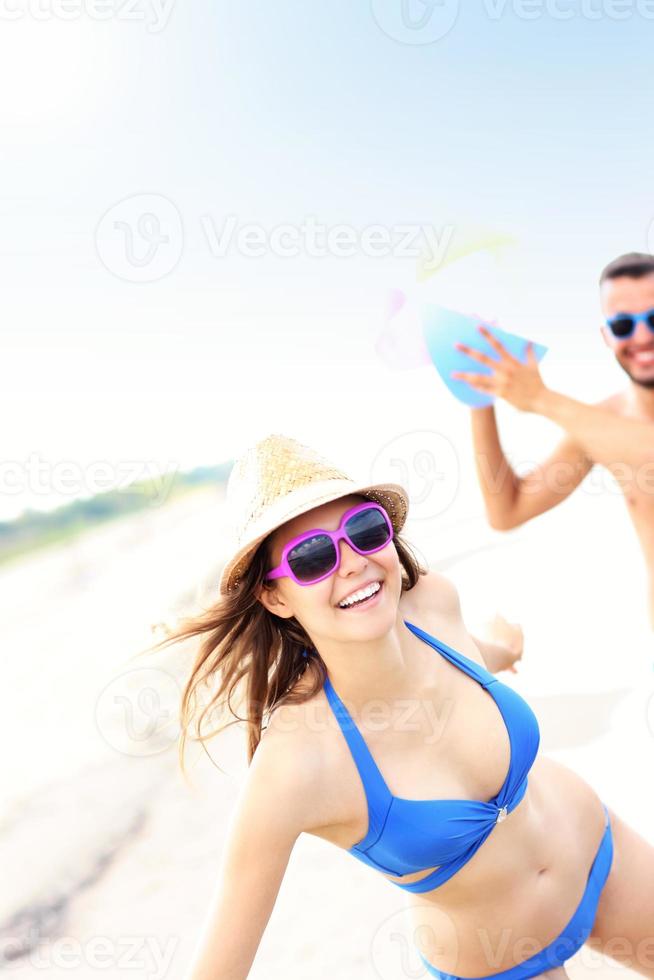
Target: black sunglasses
column 622, row 325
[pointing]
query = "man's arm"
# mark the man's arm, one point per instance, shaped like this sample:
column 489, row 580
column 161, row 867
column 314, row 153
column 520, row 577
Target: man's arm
column 621, row 444
column 510, row 499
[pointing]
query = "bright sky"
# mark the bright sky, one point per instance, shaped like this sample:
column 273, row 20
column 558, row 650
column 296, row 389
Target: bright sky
column 169, row 331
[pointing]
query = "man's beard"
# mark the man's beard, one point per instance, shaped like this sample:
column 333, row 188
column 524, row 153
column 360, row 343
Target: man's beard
column 643, row 382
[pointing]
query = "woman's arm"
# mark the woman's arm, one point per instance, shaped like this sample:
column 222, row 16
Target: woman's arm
column 499, row 656
column 272, row 809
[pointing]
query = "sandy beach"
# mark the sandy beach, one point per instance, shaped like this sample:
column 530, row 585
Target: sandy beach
column 111, row 857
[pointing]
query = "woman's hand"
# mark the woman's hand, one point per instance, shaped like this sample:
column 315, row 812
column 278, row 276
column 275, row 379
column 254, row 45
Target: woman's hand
column 510, row 637
column 501, row 646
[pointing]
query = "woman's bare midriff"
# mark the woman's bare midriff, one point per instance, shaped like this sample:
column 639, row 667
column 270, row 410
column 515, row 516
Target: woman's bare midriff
column 521, row 887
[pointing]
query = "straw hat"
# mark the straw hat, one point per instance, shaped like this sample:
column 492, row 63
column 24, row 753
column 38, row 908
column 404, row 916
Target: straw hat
column 279, row 478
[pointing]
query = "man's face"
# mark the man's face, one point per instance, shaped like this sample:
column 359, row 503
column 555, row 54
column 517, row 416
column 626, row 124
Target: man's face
column 635, row 354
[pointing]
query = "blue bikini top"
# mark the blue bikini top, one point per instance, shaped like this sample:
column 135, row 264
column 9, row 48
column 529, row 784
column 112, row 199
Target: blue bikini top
column 405, row 836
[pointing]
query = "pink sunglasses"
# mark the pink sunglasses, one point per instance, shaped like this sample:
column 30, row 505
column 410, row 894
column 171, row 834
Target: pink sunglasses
column 314, row 555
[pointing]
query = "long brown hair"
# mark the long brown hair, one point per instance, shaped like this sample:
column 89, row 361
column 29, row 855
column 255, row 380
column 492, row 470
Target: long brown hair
column 252, row 656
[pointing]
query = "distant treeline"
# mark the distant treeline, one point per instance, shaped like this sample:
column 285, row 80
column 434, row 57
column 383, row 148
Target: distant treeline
column 36, row 529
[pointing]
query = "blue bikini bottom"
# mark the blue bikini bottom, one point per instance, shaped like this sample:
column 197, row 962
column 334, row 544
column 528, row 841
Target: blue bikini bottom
column 574, row 934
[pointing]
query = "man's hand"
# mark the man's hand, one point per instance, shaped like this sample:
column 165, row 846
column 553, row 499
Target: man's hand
column 519, row 384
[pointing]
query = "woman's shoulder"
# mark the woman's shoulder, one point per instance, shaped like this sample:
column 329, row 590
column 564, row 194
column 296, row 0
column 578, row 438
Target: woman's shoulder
column 433, row 595
column 286, row 772
column 299, row 737
column 294, row 727
column 289, row 721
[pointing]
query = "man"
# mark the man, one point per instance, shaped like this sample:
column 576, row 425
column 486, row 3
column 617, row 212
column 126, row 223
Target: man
column 617, row 432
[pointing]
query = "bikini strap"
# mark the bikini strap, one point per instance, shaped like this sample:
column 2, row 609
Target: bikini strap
column 468, row 666
column 378, row 795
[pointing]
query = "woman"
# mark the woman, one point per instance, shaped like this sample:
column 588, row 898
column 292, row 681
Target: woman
column 508, row 860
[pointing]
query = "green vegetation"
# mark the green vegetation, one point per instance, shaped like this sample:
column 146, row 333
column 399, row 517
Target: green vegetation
column 36, row 529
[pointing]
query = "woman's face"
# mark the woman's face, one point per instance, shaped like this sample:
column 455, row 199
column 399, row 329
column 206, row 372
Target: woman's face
column 316, row 607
